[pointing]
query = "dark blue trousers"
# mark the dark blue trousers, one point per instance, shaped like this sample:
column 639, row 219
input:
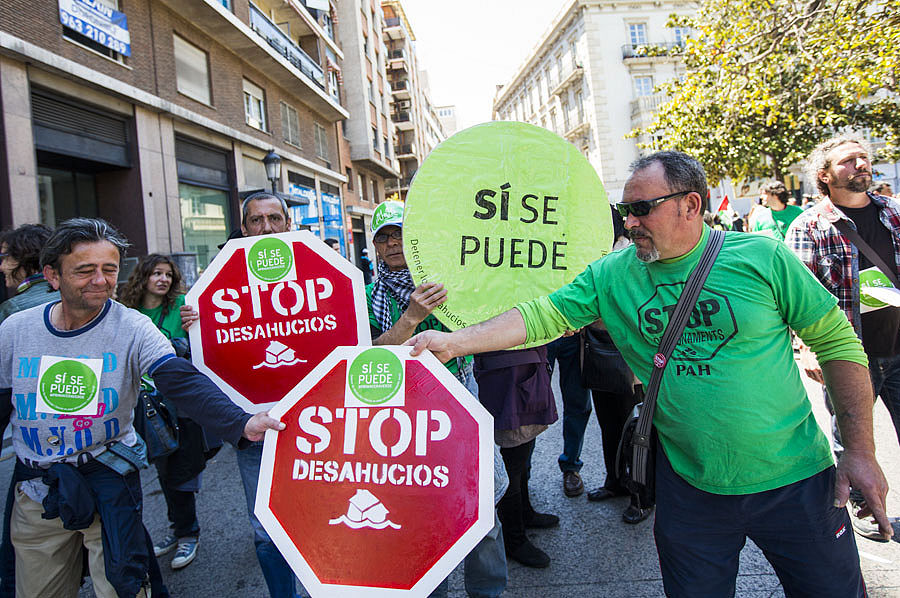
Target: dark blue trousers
column 808, row 541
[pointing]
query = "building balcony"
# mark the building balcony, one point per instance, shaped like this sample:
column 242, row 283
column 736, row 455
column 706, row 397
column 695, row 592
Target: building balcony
column 403, row 121
column 405, row 151
column 647, row 104
column 400, row 89
column 401, row 184
column 579, row 129
column 395, row 29
column 641, row 53
column 573, row 76
column 286, row 46
column 265, row 46
column 644, row 109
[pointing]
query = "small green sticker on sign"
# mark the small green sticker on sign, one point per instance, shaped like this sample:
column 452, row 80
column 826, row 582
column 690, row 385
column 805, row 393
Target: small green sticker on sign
column 872, row 277
column 375, row 376
column 270, row 260
column 68, row 386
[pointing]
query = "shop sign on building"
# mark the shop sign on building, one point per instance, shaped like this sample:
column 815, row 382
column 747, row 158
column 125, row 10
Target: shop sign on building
column 97, row 21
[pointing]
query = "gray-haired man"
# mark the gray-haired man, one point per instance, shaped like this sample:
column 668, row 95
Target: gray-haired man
column 69, row 381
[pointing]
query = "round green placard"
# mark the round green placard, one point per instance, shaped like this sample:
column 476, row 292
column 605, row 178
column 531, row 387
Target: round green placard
column 375, row 376
column 68, row 385
column 500, row 213
column 270, row 259
column 872, row 278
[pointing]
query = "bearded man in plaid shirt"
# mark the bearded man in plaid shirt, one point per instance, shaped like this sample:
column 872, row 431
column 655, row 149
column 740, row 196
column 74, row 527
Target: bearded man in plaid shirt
column 842, row 170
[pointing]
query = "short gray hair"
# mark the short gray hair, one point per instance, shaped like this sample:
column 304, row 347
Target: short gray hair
column 245, row 205
column 80, row 230
column 682, row 172
column 818, row 158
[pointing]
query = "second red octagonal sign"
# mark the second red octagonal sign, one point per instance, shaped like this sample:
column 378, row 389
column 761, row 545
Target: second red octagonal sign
column 382, row 481
column 271, row 308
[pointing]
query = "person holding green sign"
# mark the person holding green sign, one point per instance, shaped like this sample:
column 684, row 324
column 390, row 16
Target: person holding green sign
column 842, row 169
column 77, row 481
column 739, row 454
column 397, row 310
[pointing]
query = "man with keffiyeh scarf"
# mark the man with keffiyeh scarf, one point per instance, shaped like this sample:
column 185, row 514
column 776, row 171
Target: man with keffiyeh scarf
column 397, row 310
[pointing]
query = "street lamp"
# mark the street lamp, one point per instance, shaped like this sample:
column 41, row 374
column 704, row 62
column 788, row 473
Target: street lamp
column 272, row 162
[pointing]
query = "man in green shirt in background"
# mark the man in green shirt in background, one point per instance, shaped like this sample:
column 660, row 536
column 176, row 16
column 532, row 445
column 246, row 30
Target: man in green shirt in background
column 740, row 453
column 776, row 217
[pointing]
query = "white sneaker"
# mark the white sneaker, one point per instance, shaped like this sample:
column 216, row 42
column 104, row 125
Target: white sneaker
column 165, row 545
column 187, row 552
column 866, row 527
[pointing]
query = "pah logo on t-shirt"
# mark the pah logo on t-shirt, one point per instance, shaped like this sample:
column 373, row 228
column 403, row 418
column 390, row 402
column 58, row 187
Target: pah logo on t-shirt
column 709, row 328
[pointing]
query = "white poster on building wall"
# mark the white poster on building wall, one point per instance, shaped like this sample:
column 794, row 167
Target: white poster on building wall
column 97, row 21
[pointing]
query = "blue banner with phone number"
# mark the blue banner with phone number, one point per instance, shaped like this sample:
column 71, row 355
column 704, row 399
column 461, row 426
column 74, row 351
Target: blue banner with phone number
column 98, row 22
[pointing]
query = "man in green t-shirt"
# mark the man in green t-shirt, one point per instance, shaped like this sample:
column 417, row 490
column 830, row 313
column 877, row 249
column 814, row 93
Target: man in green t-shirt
column 740, row 454
column 776, row 217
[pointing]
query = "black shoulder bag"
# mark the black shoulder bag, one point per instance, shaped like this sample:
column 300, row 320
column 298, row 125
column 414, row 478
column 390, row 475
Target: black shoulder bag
column 844, row 227
column 636, row 457
column 156, row 420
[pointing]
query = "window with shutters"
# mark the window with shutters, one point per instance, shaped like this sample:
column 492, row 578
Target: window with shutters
column 290, row 124
column 321, row 141
column 191, row 71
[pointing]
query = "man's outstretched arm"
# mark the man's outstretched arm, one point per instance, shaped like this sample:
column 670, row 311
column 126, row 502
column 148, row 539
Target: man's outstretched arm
column 500, row 332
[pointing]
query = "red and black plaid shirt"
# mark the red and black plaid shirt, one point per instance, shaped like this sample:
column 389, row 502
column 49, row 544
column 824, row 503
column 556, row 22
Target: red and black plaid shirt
column 831, row 256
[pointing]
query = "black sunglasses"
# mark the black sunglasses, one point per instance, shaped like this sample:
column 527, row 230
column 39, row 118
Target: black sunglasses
column 643, row 207
column 397, row 235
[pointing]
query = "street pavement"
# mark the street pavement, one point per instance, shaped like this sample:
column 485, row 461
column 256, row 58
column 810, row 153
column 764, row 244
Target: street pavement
column 594, row 554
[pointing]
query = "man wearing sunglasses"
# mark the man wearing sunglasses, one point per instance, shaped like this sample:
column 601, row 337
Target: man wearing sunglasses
column 740, row 454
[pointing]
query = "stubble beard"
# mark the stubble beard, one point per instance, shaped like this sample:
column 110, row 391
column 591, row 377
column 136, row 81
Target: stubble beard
column 648, row 255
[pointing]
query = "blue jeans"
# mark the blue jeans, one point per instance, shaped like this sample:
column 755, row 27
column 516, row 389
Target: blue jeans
column 808, row 541
column 278, row 574
column 484, row 569
column 885, row 374
column 576, row 399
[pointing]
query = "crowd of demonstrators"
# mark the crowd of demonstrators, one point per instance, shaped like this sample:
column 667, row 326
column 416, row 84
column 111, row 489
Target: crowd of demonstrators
column 751, row 464
column 739, row 455
column 77, row 495
column 397, row 310
column 155, row 289
column 823, row 238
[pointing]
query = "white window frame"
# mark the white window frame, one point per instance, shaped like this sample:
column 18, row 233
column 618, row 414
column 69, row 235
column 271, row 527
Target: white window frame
column 641, row 88
column 637, row 33
column 255, row 106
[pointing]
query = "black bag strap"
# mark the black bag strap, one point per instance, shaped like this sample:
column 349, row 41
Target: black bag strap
column 670, row 338
column 844, row 227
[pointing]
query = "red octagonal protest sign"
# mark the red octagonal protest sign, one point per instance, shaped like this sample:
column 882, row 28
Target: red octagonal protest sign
column 382, row 481
column 271, row 308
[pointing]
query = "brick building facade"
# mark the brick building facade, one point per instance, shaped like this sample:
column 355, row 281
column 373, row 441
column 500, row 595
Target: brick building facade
column 165, row 141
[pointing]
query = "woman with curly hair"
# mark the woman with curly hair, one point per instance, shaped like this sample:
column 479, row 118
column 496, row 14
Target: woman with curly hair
column 154, row 288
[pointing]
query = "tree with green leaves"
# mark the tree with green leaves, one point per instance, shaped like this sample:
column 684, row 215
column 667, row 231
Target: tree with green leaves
column 768, row 79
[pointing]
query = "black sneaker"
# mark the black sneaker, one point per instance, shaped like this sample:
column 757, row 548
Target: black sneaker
column 529, row 555
column 541, row 520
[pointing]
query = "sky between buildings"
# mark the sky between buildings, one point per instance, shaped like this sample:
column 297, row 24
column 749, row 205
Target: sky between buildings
column 470, row 46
